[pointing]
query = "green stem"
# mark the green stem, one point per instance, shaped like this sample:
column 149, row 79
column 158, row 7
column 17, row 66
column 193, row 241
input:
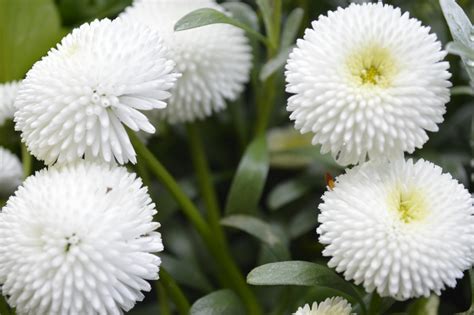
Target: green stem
column 375, row 304
column 142, row 171
column 162, row 299
column 187, row 206
column 204, row 178
column 230, row 272
column 175, row 292
column 266, row 99
column 4, row 308
column 266, row 102
column 26, row 160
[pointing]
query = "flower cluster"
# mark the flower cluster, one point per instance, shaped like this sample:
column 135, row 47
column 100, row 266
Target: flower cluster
column 78, row 237
column 369, row 82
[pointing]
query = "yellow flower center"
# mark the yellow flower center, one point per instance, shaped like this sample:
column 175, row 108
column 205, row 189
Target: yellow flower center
column 410, row 205
column 372, row 66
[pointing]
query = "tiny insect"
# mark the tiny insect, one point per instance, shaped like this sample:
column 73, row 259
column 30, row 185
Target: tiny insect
column 329, row 181
column 109, row 189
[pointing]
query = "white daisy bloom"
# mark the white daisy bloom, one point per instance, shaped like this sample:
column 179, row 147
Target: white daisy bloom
column 330, row 306
column 7, row 98
column 401, row 228
column 78, row 240
column 369, row 82
column 215, row 60
column 11, row 172
column 75, row 102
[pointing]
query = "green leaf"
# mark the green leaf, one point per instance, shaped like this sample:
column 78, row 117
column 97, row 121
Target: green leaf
column 290, row 190
column 275, row 64
column 243, row 13
column 457, row 48
column 458, row 22
column 290, row 149
column 261, row 230
column 271, row 12
column 303, row 222
column 291, row 28
column 28, row 29
column 462, row 32
column 462, row 90
column 185, row 272
column 218, row 303
column 300, row 273
column 424, row 306
column 249, row 181
column 207, row 16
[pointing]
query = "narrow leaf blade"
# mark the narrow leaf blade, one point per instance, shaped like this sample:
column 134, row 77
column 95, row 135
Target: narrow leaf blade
column 292, row 25
column 261, row 230
column 208, row 16
column 250, row 179
column 217, row 303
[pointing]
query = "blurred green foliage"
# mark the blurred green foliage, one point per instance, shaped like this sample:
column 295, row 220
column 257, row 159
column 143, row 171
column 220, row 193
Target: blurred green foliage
column 292, row 185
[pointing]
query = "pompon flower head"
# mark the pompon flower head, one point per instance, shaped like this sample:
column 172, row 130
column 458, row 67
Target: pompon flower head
column 330, row 306
column 401, row 228
column 368, row 81
column 215, row 60
column 75, row 102
column 7, row 98
column 78, row 239
column 10, row 172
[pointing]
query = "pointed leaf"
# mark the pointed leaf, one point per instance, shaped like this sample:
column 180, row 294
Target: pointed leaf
column 186, row 273
column 275, row 64
column 290, row 190
column 458, row 22
column 291, row 28
column 261, row 230
column 462, row 32
column 299, row 273
column 218, row 303
column 208, row 16
column 243, row 13
column 249, row 181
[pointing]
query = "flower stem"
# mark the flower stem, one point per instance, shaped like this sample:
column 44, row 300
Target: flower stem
column 204, row 178
column 375, row 304
column 175, row 292
column 162, row 299
column 191, row 212
column 4, row 308
column 230, row 272
column 266, row 99
column 26, row 160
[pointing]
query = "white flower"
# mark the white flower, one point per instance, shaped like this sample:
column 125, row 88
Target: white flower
column 401, row 228
column 78, row 240
column 330, row 306
column 74, row 102
column 215, row 60
column 7, row 97
column 368, row 82
column 11, row 172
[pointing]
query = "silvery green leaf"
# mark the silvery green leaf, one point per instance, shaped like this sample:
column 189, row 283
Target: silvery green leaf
column 292, row 25
column 458, row 22
column 243, row 13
